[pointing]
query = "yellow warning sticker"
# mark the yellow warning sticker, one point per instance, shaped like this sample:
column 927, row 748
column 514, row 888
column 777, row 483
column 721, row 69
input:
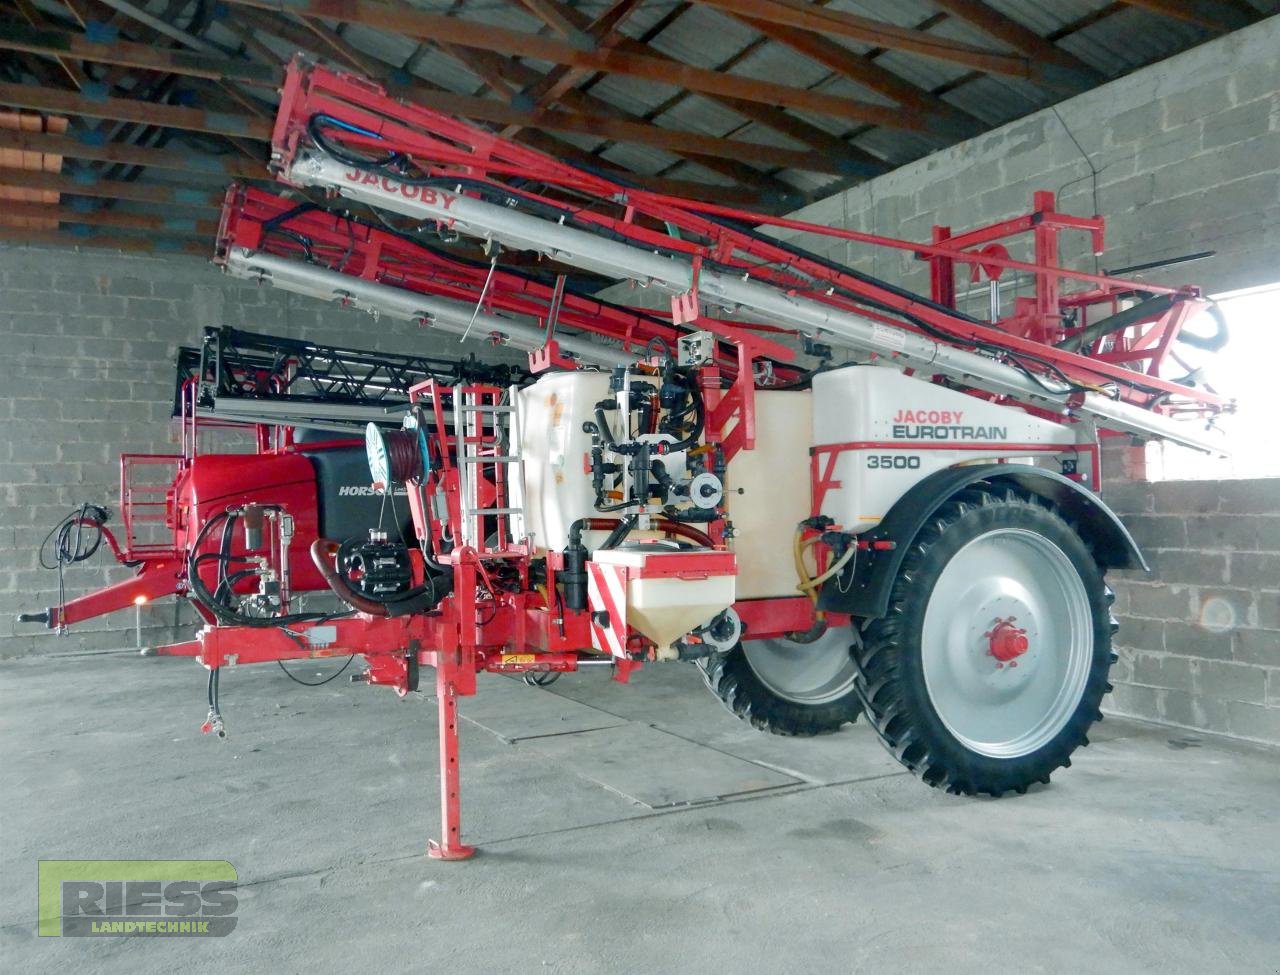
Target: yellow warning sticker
column 519, row 658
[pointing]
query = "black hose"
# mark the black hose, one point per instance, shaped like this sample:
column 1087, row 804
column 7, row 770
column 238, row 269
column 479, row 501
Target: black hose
column 602, row 427
column 316, row 683
column 1209, row 343
column 1117, row 322
column 620, row 532
column 70, row 542
column 223, row 612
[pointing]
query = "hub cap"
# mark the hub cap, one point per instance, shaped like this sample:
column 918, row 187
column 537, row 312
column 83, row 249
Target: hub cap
column 1007, row 642
column 804, row 673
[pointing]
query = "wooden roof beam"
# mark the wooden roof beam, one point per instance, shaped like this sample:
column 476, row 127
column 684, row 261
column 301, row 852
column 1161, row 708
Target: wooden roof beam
column 124, row 153
column 941, row 119
column 510, row 77
column 855, row 161
column 1215, row 16
column 1059, row 69
column 130, row 110
column 109, row 189
column 810, row 17
column 546, row 11
column 60, row 44
column 604, row 32
column 28, row 11
column 116, row 219
column 509, row 43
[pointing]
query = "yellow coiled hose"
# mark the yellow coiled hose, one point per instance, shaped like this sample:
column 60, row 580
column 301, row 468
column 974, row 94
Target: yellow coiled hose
column 809, row 584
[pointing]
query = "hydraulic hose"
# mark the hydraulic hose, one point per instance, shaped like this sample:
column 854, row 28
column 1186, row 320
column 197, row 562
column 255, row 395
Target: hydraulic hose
column 1209, row 343
column 1115, row 323
column 809, row 588
column 224, row 613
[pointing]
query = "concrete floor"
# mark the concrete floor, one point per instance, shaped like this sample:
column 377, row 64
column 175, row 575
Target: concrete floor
column 1156, row 852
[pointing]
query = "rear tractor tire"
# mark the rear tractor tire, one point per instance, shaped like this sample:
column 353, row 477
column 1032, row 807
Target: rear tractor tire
column 788, row 688
column 990, row 665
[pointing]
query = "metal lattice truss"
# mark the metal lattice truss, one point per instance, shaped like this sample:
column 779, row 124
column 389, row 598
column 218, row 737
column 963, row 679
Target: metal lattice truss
column 234, row 364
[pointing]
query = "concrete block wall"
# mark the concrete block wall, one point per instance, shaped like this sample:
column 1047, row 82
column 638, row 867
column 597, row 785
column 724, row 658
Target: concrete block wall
column 1199, row 641
column 1183, row 156
column 87, row 348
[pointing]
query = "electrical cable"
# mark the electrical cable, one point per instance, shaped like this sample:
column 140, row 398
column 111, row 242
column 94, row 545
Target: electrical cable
column 314, row 683
column 72, row 547
column 67, row 549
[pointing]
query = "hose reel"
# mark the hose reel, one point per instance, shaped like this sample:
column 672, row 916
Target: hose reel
column 397, row 456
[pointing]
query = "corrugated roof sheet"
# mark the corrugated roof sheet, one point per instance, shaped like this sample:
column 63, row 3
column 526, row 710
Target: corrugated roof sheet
column 1111, row 38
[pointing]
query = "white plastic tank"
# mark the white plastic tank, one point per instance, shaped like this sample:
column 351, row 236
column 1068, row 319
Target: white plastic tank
column 556, row 451
column 894, row 430
column 768, row 494
column 670, row 593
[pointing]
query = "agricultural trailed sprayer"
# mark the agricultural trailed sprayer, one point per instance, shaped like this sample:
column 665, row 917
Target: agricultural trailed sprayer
column 834, row 496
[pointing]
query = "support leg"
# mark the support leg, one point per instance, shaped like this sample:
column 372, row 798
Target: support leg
column 451, row 847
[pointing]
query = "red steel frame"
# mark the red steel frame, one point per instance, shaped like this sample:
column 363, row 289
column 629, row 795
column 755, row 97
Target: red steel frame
column 481, row 627
column 444, row 147
column 254, row 220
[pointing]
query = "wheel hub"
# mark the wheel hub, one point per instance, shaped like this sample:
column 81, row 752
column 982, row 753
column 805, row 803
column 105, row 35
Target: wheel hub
column 1007, row 642
column 804, row 673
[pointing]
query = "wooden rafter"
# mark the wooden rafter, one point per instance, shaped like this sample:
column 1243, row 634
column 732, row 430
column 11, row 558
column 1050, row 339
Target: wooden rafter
column 110, row 189
column 114, row 219
column 65, row 45
column 131, row 110
column 28, row 12
column 853, row 160
column 1215, row 16
column 810, row 17
column 131, row 18
column 1059, row 68
column 941, row 118
column 83, row 12
column 125, row 153
column 548, row 13
column 509, row 78
column 510, row 43
column 605, row 32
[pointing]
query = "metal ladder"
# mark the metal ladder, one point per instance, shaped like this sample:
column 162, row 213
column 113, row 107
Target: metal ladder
column 481, row 417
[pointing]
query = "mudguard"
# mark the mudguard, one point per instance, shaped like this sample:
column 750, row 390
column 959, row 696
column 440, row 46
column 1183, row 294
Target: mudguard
column 864, row 591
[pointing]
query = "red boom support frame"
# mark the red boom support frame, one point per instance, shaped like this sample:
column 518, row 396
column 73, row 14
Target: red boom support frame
column 369, row 120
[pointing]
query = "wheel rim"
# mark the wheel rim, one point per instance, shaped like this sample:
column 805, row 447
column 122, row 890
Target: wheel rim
column 1007, row 643
column 804, row 673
